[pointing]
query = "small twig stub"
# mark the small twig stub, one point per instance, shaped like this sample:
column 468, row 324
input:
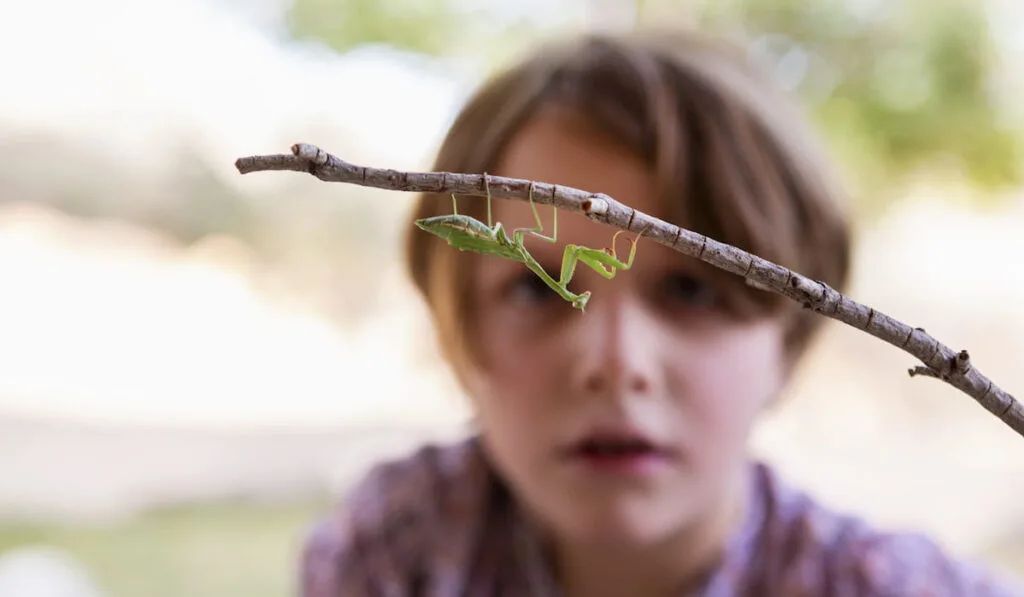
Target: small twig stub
column 938, row 360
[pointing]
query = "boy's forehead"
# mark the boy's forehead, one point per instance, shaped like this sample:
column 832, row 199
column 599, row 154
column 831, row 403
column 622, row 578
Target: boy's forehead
column 548, row 150
column 552, row 149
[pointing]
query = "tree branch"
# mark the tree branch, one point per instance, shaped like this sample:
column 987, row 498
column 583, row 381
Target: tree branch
column 940, row 361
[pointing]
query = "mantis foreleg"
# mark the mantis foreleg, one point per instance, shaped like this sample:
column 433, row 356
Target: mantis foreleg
column 604, row 262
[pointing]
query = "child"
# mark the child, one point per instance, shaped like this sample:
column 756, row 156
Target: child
column 611, row 458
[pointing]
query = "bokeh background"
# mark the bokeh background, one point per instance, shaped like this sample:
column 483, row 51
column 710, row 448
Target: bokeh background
column 195, row 363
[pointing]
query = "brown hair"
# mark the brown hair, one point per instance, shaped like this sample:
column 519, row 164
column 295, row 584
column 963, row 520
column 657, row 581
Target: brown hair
column 732, row 157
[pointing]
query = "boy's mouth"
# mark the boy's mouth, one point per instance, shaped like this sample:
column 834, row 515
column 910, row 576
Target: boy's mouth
column 610, row 447
column 621, row 451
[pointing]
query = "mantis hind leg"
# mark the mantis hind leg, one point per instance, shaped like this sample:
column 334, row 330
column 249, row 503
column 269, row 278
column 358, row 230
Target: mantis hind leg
column 487, row 187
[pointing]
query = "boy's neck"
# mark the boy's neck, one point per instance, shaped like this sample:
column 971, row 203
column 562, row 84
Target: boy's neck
column 676, row 566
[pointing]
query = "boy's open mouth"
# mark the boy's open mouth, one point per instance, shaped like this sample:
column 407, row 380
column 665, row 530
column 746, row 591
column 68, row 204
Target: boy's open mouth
column 621, row 450
column 608, row 447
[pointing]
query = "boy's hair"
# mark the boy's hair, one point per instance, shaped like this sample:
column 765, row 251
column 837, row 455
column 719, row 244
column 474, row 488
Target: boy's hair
column 733, row 159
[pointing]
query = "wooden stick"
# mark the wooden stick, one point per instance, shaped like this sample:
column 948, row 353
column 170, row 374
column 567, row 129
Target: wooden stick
column 940, row 362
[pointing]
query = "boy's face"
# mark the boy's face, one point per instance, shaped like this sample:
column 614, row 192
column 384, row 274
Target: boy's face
column 653, row 355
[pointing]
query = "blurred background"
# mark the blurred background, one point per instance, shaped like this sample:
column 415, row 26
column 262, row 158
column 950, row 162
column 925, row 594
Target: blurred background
column 194, row 363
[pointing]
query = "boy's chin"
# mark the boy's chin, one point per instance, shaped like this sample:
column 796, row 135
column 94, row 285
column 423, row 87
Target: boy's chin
column 621, row 525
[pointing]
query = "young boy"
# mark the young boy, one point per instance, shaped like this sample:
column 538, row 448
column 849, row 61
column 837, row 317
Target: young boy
column 611, row 456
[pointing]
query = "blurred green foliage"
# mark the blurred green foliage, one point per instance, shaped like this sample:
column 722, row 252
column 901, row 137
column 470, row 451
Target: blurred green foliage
column 452, row 28
column 424, row 26
column 204, row 550
column 901, row 90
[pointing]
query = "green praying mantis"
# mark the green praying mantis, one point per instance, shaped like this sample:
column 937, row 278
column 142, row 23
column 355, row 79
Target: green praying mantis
column 469, row 234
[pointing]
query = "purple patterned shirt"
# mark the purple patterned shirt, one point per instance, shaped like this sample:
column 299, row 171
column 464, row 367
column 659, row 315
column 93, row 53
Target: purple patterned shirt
column 440, row 524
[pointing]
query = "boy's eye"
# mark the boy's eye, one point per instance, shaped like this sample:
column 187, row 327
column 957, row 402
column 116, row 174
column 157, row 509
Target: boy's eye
column 528, row 287
column 690, row 290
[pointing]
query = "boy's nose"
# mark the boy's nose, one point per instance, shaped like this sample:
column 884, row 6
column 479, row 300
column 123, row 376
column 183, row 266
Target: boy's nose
column 618, row 347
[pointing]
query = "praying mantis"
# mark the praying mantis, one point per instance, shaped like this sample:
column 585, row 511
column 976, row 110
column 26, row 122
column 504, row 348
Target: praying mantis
column 466, row 233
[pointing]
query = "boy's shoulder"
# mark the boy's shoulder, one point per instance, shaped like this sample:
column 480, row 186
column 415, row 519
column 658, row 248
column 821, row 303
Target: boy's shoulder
column 429, row 501
column 807, row 547
column 433, row 480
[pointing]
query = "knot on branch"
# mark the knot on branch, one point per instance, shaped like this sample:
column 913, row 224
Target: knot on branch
column 815, row 295
column 594, row 206
column 310, row 152
column 956, row 366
